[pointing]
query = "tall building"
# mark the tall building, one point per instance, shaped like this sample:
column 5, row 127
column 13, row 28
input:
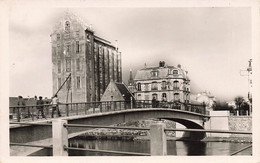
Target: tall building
column 163, row 82
column 92, row 61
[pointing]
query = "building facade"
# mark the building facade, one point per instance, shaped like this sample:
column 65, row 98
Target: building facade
column 166, row 83
column 92, row 61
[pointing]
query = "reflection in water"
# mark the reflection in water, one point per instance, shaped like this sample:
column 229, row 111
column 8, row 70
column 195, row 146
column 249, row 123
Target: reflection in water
column 179, row 148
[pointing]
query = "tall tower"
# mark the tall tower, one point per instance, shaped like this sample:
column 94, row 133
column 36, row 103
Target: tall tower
column 92, row 61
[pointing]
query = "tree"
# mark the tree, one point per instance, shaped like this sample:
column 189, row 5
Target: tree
column 239, row 101
column 221, row 106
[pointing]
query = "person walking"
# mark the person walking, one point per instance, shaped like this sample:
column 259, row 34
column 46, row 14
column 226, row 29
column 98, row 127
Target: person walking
column 55, row 105
column 40, row 106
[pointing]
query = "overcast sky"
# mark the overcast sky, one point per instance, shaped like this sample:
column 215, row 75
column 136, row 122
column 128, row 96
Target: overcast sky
column 212, row 44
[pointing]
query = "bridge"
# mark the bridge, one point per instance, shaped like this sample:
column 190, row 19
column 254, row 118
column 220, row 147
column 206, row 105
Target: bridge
column 102, row 113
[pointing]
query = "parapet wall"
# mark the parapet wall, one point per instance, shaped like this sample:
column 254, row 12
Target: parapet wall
column 221, row 120
column 240, row 123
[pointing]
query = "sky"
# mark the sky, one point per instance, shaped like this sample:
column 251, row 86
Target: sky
column 212, row 43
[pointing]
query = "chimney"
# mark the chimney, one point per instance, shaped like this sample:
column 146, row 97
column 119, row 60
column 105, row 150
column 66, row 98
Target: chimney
column 179, row 66
column 161, row 64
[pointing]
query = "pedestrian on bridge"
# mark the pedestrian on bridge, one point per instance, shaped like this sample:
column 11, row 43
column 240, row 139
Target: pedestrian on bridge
column 55, row 105
column 40, row 106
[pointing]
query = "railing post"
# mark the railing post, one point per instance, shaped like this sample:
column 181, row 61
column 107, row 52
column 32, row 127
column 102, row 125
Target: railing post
column 77, row 109
column 67, row 110
column 101, row 103
column 59, row 137
column 18, row 115
column 131, row 102
column 158, row 139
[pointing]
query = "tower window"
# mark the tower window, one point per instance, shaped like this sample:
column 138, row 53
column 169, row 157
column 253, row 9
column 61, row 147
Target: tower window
column 59, row 82
column 59, row 66
column 78, row 64
column 78, row 81
column 77, row 46
column 68, row 65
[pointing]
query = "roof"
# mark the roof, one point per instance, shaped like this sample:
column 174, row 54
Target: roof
column 163, row 72
column 71, row 16
column 124, row 91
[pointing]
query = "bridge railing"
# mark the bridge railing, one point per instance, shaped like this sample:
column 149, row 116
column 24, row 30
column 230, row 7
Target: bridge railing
column 158, row 141
column 173, row 105
column 31, row 112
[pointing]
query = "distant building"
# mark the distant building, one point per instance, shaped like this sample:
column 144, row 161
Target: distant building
column 118, row 92
column 92, row 61
column 162, row 82
column 131, row 84
column 207, row 99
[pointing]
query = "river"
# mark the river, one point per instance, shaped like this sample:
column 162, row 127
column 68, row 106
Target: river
column 179, row 148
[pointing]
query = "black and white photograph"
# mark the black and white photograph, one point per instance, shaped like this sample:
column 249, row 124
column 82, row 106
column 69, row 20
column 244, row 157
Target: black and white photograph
column 102, row 80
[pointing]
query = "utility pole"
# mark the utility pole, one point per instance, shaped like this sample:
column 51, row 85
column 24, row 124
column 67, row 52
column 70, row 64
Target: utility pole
column 250, row 86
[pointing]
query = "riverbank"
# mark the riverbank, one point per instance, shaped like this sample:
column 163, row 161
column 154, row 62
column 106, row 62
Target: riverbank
column 143, row 136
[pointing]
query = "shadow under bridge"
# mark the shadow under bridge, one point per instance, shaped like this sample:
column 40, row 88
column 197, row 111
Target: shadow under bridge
column 189, row 119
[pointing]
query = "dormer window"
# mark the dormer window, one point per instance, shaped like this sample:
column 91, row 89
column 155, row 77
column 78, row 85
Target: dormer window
column 154, row 73
column 175, row 72
column 67, row 26
column 139, row 86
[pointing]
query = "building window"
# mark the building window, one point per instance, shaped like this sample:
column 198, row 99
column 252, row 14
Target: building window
column 78, row 64
column 59, row 82
column 78, row 81
column 77, row 46
column 146, row 86
column 139, row 97
column 154, row 96
column 154, row 73
column 164, row 97
column 163, row 85
column 68, row 65
column 176, row 97
column 175, row 72
column 146, row 97
column 67, row 26
column 175, row 85
column 139, row 86
column 154, row 86
column 59, row 66
column 58, row 36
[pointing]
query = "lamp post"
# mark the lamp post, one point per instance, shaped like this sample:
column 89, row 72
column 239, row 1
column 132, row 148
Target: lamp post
column 249, row 75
